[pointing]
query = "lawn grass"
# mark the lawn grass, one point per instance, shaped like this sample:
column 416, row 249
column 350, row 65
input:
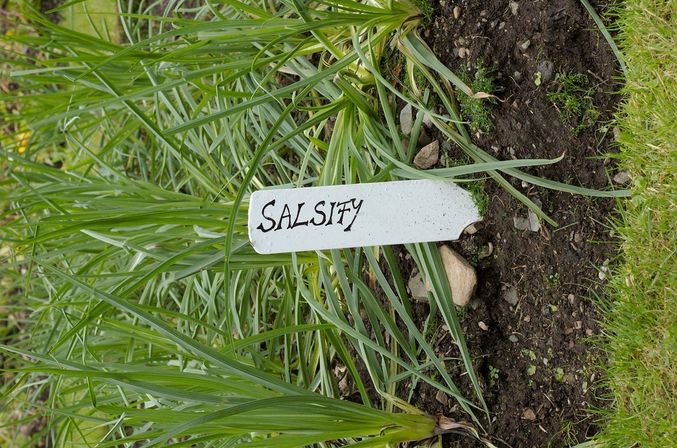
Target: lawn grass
column 640, row 320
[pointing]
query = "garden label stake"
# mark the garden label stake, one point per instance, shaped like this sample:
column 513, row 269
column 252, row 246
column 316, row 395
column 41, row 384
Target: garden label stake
column 374, row 214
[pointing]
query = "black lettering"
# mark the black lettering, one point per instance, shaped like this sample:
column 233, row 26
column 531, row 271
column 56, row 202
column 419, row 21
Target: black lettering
column 343, row 207
column 298, row 213
column 331, row 213
column 286, row 213
column 263, row 213
column 357, row 206
column 319, row 212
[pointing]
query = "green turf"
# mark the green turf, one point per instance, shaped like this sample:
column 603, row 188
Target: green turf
column 640, row 322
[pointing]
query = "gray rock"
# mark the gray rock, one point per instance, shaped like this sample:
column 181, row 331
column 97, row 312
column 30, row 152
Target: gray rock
column 419, row 290
column 530, row 223
column 514, row 7
column 622, row 178
column 510, row 296
column 461, row 276
column 513, row 338
column 520, row 223
column 547, row 69
column 406, row 119
column 534, row 223
column 428, row 156
column 525, row 46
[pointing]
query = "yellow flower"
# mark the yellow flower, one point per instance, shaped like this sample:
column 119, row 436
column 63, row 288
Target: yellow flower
column 22, row 141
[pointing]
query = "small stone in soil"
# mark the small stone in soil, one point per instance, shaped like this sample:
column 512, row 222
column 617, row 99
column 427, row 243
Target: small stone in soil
column 602, row 272
column 463, row 52
column 514, row 6
column 530, row 223
column 483, row 326
column 534, row 224
column 513, row 338
column 546, row 68
column 419, row 291
column 622, row 178
column 428, row 156
column 461, row 276
column 510, row 296
column 520, row 223
column 406, row 119
column 528, row 414
column 457, row 12
column 525, row 46
column 442, row 397
column 470, row 230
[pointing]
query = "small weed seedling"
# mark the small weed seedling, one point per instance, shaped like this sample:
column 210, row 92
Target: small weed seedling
column 493, row 375
column 573, row 100
column 476, row 111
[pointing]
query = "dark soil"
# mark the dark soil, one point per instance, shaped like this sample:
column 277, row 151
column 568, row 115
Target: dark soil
column 535, row 359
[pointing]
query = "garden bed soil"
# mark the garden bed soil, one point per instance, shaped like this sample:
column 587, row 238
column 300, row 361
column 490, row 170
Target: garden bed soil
column 535, row 359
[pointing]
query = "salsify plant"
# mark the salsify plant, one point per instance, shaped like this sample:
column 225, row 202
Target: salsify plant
column 152, row 320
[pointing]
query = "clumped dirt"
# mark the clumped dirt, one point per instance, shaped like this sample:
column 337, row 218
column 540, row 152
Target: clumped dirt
column 534, row 358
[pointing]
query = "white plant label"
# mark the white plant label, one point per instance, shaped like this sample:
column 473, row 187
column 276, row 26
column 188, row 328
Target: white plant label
column 342, row 216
